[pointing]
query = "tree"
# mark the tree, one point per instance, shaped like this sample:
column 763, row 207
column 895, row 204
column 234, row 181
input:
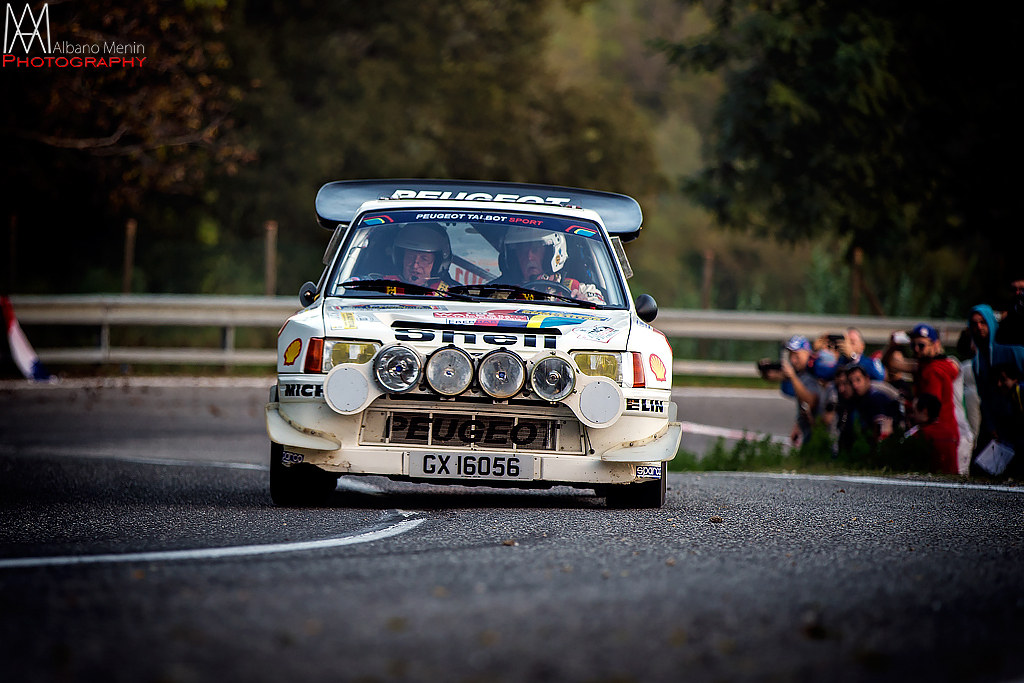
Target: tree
column 244, row 109
column 410, row 88
column 887, row 123
column 96, row 144
column 156, row 126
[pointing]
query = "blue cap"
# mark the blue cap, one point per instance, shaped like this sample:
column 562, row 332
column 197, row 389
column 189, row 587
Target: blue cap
column 798, row 342
column 922, row 330
column 873, row 366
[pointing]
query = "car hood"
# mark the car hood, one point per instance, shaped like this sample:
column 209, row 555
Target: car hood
column 488, row 323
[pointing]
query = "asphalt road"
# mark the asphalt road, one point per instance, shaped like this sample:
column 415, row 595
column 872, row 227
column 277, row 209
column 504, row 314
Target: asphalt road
column 138, row 543
column 712, row 413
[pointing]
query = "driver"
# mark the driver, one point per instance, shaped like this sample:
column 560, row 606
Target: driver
column 422, row 254
column 532, row 255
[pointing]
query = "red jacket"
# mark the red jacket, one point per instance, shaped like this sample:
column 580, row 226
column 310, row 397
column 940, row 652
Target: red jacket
column 936, row 376
column 942, row 446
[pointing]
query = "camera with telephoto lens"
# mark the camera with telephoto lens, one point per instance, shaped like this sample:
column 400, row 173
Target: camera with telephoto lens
column 834, row 339
column 766, row 365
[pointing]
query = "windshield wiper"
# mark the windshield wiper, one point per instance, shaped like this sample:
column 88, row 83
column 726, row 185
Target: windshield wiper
column 382, row 285
column 526, row 292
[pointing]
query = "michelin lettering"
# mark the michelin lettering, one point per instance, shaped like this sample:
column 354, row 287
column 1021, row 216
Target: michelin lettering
column 302, row 390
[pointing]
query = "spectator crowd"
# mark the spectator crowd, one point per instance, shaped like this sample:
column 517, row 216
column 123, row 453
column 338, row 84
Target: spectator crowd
column 952, row 413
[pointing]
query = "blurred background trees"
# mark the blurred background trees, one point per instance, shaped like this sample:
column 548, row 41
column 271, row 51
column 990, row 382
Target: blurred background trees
column 887, row 125
column 815, row 132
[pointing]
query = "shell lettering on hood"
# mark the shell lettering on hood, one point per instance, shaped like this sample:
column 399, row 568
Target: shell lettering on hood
column 534, row 341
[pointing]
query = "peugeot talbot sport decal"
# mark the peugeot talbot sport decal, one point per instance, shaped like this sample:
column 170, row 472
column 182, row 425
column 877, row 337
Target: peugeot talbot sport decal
column 517, row 318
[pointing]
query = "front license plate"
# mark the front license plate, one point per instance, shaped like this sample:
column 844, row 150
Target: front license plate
column 471, row 466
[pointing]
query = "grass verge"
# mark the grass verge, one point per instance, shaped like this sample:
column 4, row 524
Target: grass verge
column 894, row 456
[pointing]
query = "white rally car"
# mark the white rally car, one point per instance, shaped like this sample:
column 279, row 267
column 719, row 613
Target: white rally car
column 471, row 332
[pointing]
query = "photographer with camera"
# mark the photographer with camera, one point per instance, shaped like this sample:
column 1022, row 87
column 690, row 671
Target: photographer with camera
column 839, row 350
column 795, row 372
column 934, row 373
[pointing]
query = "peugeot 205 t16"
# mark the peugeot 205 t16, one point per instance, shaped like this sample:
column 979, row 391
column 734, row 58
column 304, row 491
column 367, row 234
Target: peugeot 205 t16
column 473, row 333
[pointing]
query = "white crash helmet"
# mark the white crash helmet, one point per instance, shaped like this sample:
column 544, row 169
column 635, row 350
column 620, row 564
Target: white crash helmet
column 555, row 256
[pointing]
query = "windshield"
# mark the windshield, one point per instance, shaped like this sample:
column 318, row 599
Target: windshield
column 478, row 255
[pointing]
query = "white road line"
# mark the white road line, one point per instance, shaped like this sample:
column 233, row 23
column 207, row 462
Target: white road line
column 215, row 553
column 727, row 433
column 726, row 392
column 357, row 486
column 111, row 454
column 171, row 462
column 856, row 479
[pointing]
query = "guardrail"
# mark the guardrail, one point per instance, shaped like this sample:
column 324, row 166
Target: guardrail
column 231, row 312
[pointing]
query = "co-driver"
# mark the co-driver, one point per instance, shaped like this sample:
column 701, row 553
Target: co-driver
column 534, row 257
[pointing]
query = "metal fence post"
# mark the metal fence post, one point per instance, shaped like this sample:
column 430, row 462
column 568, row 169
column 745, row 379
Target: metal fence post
column 270, row 254
column 228, row 344
column 105, row 340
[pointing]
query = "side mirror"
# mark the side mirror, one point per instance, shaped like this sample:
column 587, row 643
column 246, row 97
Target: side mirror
column 646, row 308
column 307, row 294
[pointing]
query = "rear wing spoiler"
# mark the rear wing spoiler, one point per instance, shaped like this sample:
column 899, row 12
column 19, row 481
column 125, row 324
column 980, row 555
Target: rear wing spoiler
column 337, row 202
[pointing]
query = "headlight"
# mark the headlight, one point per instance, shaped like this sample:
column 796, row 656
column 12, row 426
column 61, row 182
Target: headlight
column 501, row 374
column 341, row 352
column 598, row 364
column 449, row 371
column 397, row 369
column 552, row 378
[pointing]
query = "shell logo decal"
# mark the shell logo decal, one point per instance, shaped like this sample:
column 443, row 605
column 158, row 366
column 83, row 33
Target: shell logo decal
column 292, row 352
column 658, row 368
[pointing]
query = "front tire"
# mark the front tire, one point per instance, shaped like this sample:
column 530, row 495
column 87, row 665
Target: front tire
column 298, row 485
column 646, row 494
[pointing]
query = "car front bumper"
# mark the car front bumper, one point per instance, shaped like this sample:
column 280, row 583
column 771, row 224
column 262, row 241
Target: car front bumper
column 632, row 449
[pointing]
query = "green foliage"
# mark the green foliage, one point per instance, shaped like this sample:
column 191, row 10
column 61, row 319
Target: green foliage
column 746, row 456
column 829, row 125
column 896, row 454
column 884, row 123
column 417, row 89
column 827, row 282
column 159, row 128
column 243, row 110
